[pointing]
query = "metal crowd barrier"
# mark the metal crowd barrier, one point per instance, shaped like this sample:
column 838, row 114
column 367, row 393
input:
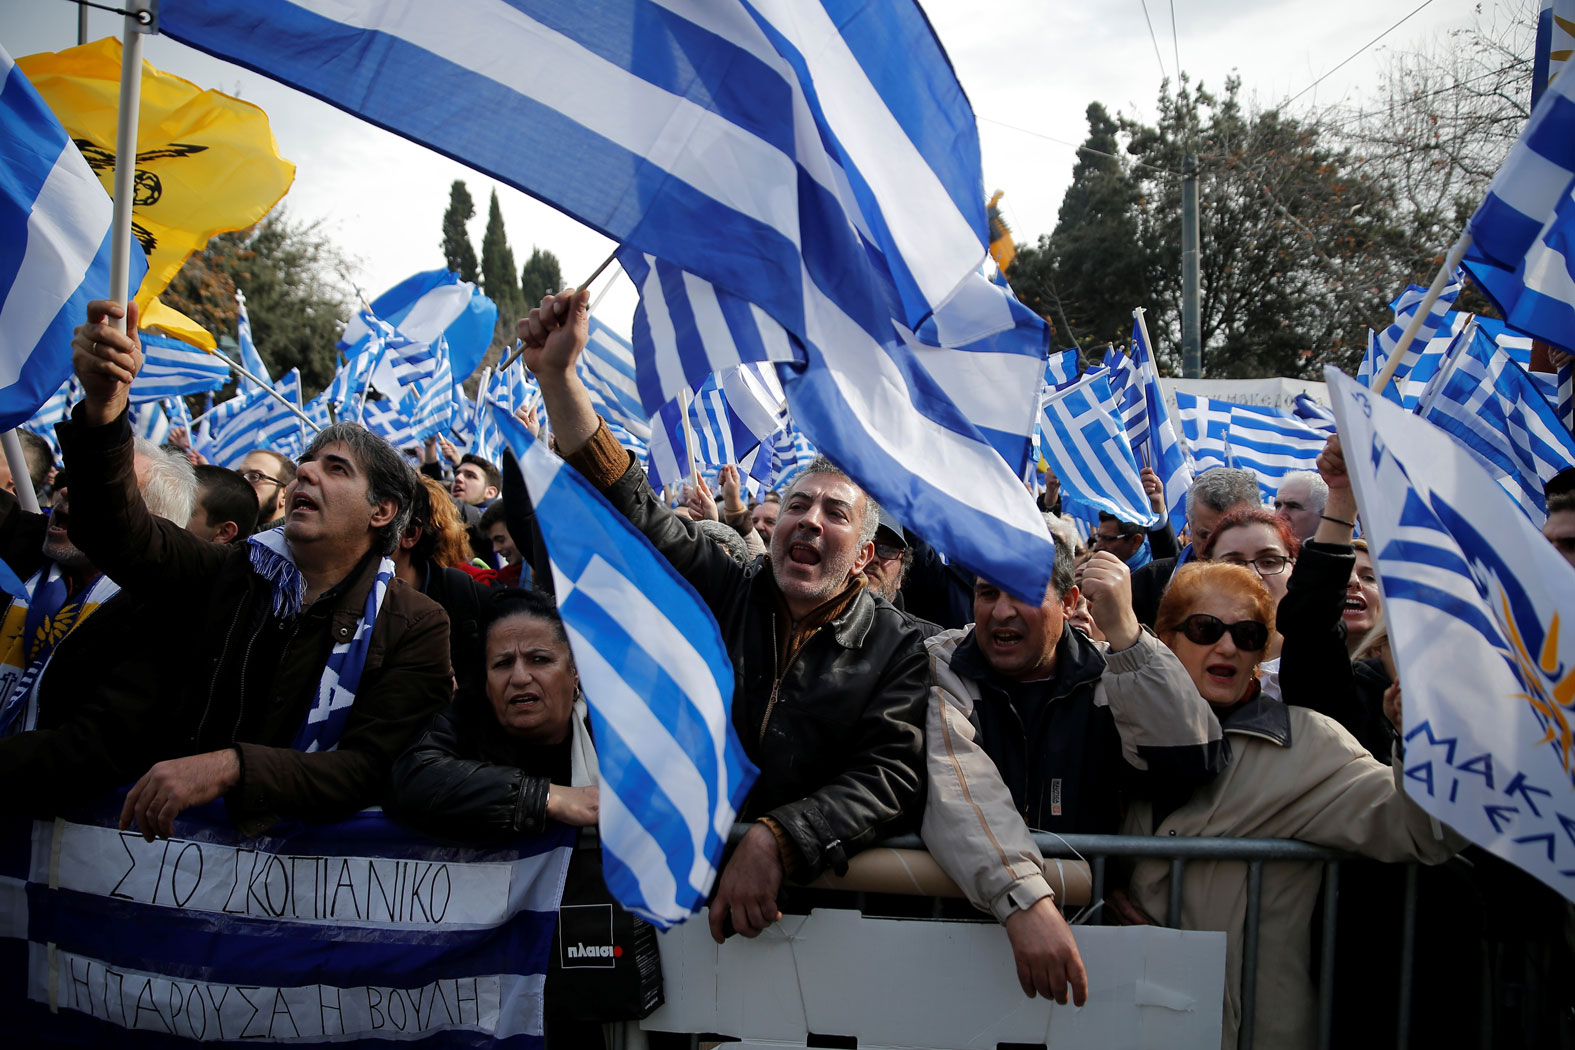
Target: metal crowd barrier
column 1096, row 849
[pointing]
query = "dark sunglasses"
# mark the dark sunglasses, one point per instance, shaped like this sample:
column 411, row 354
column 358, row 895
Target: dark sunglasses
column 1203, row 629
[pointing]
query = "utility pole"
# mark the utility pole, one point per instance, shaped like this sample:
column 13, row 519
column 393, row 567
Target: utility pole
column 1191, row 310
column 81, row 24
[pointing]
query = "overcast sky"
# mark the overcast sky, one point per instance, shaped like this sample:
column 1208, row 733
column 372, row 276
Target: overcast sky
column 1030, row 68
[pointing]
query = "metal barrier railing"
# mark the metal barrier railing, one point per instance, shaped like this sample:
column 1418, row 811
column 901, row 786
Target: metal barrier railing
column 1096, row 849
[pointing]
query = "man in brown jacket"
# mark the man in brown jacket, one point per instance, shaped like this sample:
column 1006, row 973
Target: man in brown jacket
column 298, row 669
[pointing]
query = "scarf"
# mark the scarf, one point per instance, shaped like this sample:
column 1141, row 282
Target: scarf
column 1140, row 557
column 33, row 628
column 325, row 722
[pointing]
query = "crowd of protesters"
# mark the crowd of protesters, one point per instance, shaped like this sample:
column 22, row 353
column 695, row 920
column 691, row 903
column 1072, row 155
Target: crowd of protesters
column 1234, row 682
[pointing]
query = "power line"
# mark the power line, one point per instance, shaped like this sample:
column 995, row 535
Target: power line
column 1358, row 51
column 1079, row 147
column 1175, row 44
column 1155, row 41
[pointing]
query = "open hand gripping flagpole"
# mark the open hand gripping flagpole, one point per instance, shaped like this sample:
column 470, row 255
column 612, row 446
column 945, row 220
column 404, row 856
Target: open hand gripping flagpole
column 659, row 684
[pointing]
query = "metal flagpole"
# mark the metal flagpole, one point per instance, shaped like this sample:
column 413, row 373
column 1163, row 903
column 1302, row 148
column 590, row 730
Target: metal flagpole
column 19, row 473
column 1425, row 307
column 562, row 306
column 126, row 157
column 267, row 389
column 1137, row 315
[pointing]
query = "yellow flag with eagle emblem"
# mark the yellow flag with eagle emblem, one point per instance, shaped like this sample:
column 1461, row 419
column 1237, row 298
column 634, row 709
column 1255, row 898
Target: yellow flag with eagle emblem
column 207, row 163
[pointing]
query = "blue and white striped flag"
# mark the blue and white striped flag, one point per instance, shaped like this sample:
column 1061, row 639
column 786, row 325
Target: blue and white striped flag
column 659, row 684
column 251, row 360
column 53, row 411
column 1313, row 414
column 1205, row 427
column 424, row 306
column 1134, row 380
column 1523, row 249
column 606, row 367
column 54, row 256
column 1085, row 444
column 430, row 406
column 148, row 420
column 1475, row 600
column 313, row 936
column 1431, row 340
column 171, row 368
column 851, row 199
column 384, row 419
column 1263, row 440
column 258, row 420
column 1492, row 408
column 1062, row 368
column 791, row 452
column 1564, row 404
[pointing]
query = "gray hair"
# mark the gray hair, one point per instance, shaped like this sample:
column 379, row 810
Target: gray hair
column 724, row 536
column 388, row 476
column 1063, row 529
column 1317, row 488
column 1224, row 488
column 821, row 465
column 1063, row 574
column 170, row 487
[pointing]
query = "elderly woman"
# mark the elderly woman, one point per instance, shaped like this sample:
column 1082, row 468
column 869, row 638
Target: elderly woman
column 1263, row 542
column 1294, row 774
column 506, row 757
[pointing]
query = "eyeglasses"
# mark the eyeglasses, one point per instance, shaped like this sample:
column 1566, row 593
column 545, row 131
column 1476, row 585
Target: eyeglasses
column 1203, row 629
column 254, row 476
column 1268, row 565
column 887, row 551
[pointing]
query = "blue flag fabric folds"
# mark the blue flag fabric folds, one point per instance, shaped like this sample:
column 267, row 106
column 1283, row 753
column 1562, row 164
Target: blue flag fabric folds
column 659, row 684
column 1134, row 380
column 54, row 247
column 171, row 368
column 1480, row 609
column 426, row 305
column 1085, row 443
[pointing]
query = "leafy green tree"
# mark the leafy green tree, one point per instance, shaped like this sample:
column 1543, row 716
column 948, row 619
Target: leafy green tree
column 457, row 252
column 296, row 294
column 1090, row 273
column 540, row 277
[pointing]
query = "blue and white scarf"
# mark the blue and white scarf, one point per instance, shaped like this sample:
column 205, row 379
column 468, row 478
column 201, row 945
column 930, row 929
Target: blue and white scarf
column 1141, row 557
column 325, row 722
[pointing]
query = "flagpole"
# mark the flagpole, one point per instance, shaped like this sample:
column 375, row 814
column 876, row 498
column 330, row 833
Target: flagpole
column 1423, row 309
column 126, row 159
column 267, row 389
column 689, row 438
column 17, row 461
column 481, row 396
column 1142, row 323
column 561, row 307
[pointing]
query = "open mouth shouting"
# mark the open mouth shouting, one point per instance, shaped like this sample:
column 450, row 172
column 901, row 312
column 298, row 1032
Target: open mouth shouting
column 800, row 553
column 301, row 502
column 1222, row 674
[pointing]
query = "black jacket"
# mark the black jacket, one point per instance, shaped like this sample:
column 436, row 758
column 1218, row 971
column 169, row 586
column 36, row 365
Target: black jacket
column 1148, row 587
column 467, row 781
column 841, row 750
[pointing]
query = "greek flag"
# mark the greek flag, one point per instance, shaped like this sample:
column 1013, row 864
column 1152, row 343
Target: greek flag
column 430, row 407
column 53, row 411
column 352, row 933
column 1313, row 414
column 384, row 419
column 1492, row 408
column 606, row 366
column 659, row 684
column 149, row 421
column 424, row 306
column 850, row 199
column 1085, row 443
column 1267, row 442
column 1522, row 255
column 1380, row 346
column 171, row 368
column 251, row 360
column 791, row 452
column 723, row 433
column 1134, row 381
column 256, row 420
column 54, row 256
column 1565, row 403
column 1475, row 600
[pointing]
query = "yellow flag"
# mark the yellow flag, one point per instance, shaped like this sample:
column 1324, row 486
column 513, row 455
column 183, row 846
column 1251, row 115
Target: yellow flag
column 206, row 163
column 172, row 322
column 1001, row 247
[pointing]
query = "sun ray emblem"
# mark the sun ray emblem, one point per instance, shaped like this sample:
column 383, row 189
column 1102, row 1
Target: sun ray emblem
column 1549, row 684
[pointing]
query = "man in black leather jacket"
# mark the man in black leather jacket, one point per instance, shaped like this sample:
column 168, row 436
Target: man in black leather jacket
column 830, row 682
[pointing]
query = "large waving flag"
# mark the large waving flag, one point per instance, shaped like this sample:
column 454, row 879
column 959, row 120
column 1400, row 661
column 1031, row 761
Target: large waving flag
column 1087, row 446
column 1263, row 440
column 606, row 366
column 1492, row 408
column 54, row 256
column 1481, row 613
column 1134, row 380
column 850, row 200
column 659, row 684
column 424, row 306
column 1523, row 249
column 172, row 368
column 206, row 163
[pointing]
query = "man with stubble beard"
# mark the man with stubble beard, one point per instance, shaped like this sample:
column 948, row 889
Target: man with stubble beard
column 830, row 684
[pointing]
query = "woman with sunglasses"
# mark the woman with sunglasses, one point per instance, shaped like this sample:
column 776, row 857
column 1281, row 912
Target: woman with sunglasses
column 1262, row 541
column 1293, row 774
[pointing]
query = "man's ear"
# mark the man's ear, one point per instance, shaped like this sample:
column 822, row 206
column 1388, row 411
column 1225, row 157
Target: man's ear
column 491, row 492
column 226, row 532
column 866, row 553
column 383, row 513
column 1069, row 600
